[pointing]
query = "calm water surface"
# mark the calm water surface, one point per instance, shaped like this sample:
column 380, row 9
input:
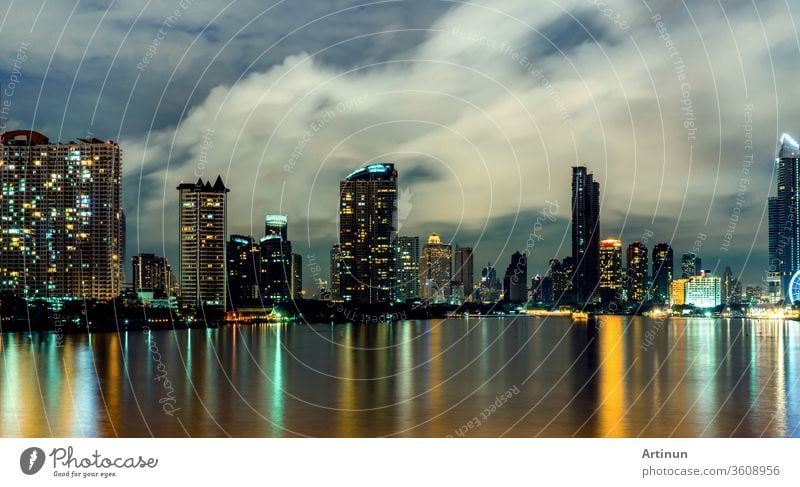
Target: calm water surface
column 699, row 377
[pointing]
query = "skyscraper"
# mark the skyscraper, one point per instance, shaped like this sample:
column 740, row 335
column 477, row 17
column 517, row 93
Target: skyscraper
column 464, row 270
column 406, row 269
column 663, row 263
column 585, row 233
column 610, row 270
column 276, row 278
column 61, row 219
column 367, row 228
column 243, row 270
column 515, row 280
column 201, row 246
column 276, row 225
column 691, row 265
column 434, row 269
column 784, row 211
column 152, row 273
column 637, row 272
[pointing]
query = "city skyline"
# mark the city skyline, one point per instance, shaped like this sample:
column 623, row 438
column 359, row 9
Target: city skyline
column 194, row 131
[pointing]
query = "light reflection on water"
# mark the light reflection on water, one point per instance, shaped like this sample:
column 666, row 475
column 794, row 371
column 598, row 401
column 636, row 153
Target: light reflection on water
column 699, row 377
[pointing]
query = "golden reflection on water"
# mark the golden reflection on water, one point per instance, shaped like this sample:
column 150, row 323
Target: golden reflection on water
column 698, row 377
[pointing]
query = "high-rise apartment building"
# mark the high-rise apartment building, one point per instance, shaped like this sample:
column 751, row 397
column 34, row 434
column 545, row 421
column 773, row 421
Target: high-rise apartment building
column 202, row 229
column 61, row 218
column 152, row 273
column 367, row 228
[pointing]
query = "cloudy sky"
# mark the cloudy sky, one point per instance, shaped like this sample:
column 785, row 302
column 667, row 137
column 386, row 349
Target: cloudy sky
column 676, row 106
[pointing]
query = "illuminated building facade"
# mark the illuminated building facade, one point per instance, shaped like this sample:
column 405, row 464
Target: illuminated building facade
column 367, row 228
column 276, row 280
column 784, row 212
column 560, row 273
column 610, row 269
column 406, row 269
column 201, row 244
column 677, row 292
column 434, row 269
column 152, row 273
column 61, row 219
column 243, row 270
column 704, row 291
column 663, row 263
column 636, row 279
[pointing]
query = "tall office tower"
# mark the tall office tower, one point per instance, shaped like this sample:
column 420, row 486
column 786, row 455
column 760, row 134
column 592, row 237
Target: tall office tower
column 784, row 212
column 367, row 228
column 691, row 265
column 243, row 269
column 336, row 271
column 152, row 273
column 490, row 287
column 561, row 274
column 585, row 233
column 515, row 280
column 406, row 269
column 464, row 270
column 663, row 263
column 276, row 225
column 610, row 270
column 202, row 227
column 296, row 284
column 434, row 270
column 637, row 272
column 61, row 233
column 276, row 274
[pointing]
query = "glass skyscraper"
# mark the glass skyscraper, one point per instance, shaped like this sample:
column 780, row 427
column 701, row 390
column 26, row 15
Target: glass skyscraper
column 784, row 211
column 367, row 228
column 585, row 233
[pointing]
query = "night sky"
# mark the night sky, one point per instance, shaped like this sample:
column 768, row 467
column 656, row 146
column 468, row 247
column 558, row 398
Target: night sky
column 676, row 107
